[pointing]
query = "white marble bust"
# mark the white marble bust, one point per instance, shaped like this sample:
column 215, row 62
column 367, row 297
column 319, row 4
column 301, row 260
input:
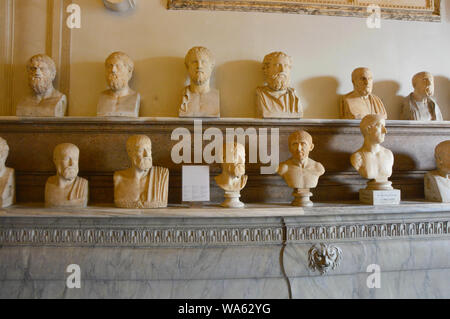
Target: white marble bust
column 232, row 178
column 276, row 99
column 420, row 105
column 373, row 161
column 361, row 102
column 199, row 99
column 44, row 99
column 301, row 172
column 7, row 180
column 66, row 188
column 119, row 99
column 142, row 185
column 437, row 182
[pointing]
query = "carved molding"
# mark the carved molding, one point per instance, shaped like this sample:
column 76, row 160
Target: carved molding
column 6, row 56
column 58, row 44
column 414, row 10
column 368, row 230
column 138, row 236
column 214, row 235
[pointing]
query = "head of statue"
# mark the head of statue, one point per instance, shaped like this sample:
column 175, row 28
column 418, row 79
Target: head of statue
column 233, row 156
column 442, row 156
column 362, row 80
column 4, row 151
column 373, row 128
column 423, row 84
column 199, row 62
column 277, row 70
column 41, row 73
column 300, row 144
column 65, row 157
column 139, row 149
column 119, row 70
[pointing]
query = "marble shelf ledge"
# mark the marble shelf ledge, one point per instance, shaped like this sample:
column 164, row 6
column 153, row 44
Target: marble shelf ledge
column 351, row 209
column 219, row 121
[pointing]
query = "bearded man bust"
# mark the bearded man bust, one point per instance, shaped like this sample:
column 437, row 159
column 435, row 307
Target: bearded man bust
column 361, row 102
column 142, row 185
column 199, row 99
column 44, row 99
column 66, row 188
column 276, row 99
column 119, row 99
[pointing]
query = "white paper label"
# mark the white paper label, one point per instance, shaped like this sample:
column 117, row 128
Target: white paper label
column 195, row 179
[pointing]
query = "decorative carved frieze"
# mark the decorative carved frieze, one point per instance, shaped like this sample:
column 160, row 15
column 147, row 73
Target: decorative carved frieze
column 415, row 10
column 107, row 235
column 369, row 230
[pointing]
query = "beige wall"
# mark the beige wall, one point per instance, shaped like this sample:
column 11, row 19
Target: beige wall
column 325, row 51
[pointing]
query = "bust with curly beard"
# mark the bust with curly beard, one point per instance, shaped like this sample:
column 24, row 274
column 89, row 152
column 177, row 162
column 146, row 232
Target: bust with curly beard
column 119, row 99
column 276, row 99
column 44, row 99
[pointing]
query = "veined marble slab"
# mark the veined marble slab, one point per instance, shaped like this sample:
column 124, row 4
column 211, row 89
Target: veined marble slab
column 262, row 251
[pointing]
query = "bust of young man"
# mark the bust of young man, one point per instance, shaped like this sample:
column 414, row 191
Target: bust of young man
column 199, row 99
column 373, row 161
column 44, row 99
column 119, row 99
column 437, row 182
column 300, row 171
column 142, row 185
column 361, row 102
column 7, row 181
column 66, row 188
column 276, row 99
column 420, row 105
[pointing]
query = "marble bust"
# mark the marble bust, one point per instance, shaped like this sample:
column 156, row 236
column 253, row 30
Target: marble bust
column 437, row 182
column 7, row 180
column 232, row 179
column 142, row 185
column 301, row 172
column 276, row 99
column 199, row 99
column 373, row 161
column 66, row 188
column 119, row 99
column 420, row 105
column 44, row 99
column 361, row 102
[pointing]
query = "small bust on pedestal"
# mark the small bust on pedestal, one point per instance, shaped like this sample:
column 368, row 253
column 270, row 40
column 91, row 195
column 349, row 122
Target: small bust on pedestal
column 361, row 102
column 233, row 178
column 7, row 181
column 142, row 185
column 119, row 99
column 276, row 99
column 44, row 99
column 419, row 105
column 199, row 99
column 437, row 183
column 374, row 162
column 66, row 188
column 300, row 172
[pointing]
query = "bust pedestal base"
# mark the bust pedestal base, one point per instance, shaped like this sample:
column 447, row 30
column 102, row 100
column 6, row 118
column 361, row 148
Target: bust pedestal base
column 232, row 200
column 302, row 196
column 379, row 197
